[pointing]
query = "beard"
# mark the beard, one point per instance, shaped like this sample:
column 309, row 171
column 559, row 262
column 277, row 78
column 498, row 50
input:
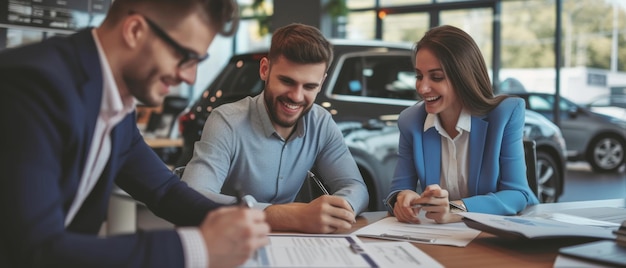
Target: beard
column 144, row 90
column 273, row 104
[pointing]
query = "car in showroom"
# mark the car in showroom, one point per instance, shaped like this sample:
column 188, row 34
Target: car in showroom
column 611, row 105
column 368, row 85
column 597, row 138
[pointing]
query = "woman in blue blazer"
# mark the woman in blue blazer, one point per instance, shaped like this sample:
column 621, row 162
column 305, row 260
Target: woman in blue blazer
column 462, row 144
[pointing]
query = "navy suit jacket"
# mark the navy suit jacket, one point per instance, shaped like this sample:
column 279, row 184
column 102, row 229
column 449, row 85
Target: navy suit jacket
column 51, row 95
column 497, row 180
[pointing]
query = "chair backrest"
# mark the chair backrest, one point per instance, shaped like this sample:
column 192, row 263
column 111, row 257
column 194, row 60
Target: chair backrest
column 530, row 155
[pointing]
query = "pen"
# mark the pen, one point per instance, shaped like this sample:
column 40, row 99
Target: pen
column 356, row 248
column 421, row 205
column 409, row 238
column 242, row 200
column 318, row 182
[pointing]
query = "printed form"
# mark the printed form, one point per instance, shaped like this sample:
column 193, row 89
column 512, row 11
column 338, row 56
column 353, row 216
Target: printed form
column 302, row 250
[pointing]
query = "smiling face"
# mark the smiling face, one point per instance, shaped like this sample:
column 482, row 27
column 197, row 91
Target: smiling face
column 290, row 90
column 156, row 64
column 434, row 87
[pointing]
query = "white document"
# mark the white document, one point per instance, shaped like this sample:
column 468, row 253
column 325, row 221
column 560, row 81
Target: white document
column 399, row 254
column 600, row 216
column 302, row 250
column 427, row 232
column 533, row 227
column 569, row 262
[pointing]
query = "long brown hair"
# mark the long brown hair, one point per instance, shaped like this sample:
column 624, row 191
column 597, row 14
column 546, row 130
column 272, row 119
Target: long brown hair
column 463, row 64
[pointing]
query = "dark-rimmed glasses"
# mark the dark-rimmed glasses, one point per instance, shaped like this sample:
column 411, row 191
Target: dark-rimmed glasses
column 190, row 57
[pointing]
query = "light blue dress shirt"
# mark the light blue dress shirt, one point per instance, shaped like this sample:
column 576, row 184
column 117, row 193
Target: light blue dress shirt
column 239, row 147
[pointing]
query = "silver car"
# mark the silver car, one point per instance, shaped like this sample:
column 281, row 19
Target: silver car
column 593, row 137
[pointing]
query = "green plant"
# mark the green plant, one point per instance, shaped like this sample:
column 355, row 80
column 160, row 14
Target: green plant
column 336, row 8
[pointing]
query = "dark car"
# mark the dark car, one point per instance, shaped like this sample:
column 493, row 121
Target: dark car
column 593, row 137
column 368, row 85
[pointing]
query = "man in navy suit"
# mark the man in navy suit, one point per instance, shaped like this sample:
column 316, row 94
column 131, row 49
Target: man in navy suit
column 69, row 133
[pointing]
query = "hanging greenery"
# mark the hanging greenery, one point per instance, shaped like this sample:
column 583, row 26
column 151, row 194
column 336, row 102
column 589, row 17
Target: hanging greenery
column 336, row 8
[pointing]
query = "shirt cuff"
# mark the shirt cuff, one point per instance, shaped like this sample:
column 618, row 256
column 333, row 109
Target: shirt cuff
column 194, row 248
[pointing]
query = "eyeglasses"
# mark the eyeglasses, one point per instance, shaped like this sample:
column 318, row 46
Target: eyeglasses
column 189, row 59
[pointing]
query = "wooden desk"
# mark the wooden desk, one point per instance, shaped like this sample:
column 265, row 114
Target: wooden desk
column 164, row 142
column 490, row 251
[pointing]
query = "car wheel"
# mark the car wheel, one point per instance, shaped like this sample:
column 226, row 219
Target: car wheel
column 548, row 176
column 606, row 153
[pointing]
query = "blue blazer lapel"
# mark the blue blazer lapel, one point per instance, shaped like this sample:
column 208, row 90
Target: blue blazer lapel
column 89, row 81
column 432, row 157
column 477, row 138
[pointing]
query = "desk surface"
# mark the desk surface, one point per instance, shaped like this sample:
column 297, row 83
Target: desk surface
column 164, row 142
column 490, row 251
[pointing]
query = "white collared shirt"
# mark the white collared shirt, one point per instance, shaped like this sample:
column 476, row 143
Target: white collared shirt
column 454, row 154
column 113, row 109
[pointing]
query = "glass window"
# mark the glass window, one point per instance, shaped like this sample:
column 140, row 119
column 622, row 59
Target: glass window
column 477, row 22
column 385, row 3
column 405, row 27
column 361, row 25
column 354, row 4
column 539, row 104
column 386, row 76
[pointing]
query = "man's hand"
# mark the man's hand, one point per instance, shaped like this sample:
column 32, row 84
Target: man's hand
column 325, row 214
column 233, row 234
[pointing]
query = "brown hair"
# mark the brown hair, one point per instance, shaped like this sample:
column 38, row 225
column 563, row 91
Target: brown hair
column 302, row 44
column 463, row 64
column 221, row 15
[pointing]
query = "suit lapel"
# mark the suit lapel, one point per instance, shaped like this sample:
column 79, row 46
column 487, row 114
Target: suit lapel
column 432, row 156
column 478, row 135
column 90, row 82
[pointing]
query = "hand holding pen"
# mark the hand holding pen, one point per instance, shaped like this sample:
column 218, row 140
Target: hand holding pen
column 407, row 207
column 233, row 234
column 245, row 201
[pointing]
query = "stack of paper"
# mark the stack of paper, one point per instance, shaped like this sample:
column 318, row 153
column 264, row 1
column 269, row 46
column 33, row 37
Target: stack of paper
column 427, row 232
column 534, row 227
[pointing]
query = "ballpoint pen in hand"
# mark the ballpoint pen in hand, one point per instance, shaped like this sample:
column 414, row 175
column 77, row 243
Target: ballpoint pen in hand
column 318, row 182
column 421, row 205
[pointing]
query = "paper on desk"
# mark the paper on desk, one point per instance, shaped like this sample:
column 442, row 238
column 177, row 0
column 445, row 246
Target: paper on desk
column 304, row 250
column 562, row 261
column 596, row 216
column 451, row 234
column 399, row 254
column 534, row 227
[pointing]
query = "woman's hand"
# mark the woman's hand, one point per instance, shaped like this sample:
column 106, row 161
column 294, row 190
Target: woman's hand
column 433, row 201
column 439, row 208
column 403, row 209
